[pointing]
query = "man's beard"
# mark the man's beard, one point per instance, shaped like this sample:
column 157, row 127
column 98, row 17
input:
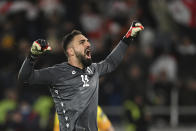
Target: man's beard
column 86, row 62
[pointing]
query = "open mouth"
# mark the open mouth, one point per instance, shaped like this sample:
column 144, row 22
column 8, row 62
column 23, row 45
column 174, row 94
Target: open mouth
column 88, row 53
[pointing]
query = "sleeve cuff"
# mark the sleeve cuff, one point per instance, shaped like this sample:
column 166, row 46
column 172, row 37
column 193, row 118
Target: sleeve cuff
column 32, row 58
column 128, row 41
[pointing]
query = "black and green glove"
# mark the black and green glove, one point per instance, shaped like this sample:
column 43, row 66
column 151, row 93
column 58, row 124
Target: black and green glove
column 38, row 48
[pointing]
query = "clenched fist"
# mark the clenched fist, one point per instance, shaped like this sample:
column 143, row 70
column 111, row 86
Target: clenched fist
column 135, row 28
column 39, row 47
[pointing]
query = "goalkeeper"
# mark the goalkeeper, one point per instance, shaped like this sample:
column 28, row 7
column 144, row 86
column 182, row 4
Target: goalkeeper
column 74, row 84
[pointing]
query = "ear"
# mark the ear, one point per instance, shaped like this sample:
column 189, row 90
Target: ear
column 70, row 52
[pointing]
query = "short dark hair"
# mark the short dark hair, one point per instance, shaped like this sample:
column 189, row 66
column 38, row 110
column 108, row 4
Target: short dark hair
column 69, row 37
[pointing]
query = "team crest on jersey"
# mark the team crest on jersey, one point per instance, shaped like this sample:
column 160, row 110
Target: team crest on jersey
column 89, row 70
column 73, row 72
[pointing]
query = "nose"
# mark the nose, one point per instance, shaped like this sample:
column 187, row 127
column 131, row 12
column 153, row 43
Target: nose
column 88, row 44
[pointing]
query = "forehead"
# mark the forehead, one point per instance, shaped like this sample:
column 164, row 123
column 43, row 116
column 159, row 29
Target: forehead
column 79, row 37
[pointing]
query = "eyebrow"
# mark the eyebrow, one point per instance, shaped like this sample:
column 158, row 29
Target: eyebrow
column 83, row 40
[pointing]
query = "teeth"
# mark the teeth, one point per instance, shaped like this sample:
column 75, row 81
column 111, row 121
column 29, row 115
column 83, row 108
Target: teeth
column 88, row 52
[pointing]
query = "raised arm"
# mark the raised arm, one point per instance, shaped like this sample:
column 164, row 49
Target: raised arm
column 27, row 72
column 116, row 56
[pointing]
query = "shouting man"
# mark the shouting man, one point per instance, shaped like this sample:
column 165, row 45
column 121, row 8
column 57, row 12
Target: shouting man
column 74, row 84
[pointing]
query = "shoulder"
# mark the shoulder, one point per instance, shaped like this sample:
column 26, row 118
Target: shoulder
column 92, row 67
column 58, row 68
column 61, row 66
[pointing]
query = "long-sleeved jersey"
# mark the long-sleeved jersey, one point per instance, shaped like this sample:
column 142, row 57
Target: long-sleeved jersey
column 74, row 90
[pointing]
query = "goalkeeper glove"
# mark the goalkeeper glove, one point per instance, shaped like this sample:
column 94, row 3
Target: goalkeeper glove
column 38, row 48
column 135, row 28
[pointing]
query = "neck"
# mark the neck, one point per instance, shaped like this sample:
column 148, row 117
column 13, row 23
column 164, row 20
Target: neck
column 75, row 62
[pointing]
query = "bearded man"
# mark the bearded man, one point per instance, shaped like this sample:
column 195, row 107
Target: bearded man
column 74, row 84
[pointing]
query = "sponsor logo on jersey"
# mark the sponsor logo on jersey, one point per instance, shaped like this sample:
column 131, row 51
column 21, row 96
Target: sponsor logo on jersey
column 73, row 72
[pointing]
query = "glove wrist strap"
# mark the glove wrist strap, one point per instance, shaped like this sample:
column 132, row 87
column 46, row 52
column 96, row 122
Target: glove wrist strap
column 128, row 40
column 33, row 58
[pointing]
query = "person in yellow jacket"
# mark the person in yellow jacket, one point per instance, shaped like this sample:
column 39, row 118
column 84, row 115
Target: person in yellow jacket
column 103, row 122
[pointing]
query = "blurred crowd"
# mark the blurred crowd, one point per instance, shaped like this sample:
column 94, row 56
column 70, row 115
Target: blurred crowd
column 160, row 59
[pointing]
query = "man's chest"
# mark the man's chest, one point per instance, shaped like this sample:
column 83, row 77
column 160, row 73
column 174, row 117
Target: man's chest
column 74, row 81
